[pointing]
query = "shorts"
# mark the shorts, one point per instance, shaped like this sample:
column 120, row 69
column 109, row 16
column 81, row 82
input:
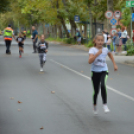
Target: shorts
column 79, row 39
column 22, row 46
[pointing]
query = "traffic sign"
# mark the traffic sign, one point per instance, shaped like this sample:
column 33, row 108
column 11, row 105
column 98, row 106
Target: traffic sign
column 109, row 14
column 117, row 14
column 129, row 3
column 76, row 18
column 132, row 16
column 113, row 31
column 113, row 21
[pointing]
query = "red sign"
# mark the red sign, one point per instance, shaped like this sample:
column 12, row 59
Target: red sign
column 109, row 14
column 117, row 14
column 113, row 31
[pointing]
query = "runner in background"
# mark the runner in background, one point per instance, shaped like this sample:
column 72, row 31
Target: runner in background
column 99, row 71
column 42, row 50
column 20, row 39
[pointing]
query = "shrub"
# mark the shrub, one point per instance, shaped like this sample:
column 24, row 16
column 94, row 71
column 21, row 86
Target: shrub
column 130, row 52
column 89, row 44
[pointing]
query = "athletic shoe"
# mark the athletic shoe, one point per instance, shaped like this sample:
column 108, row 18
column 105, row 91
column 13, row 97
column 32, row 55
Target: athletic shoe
column 41, row 70
column 95, row 110
column 106, row 109
column 20, row 56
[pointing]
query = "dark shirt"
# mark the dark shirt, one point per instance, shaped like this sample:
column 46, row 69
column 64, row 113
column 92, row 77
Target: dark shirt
column 42, row 47
column 34, row 34
column 20, row 40
column 119, row 34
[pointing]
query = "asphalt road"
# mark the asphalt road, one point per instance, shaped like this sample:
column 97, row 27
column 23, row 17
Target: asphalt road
column 69, row 110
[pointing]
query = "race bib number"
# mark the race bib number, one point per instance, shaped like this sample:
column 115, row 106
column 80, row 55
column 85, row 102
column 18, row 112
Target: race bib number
column 19, row 39
column 100, row 62
column 43, row 46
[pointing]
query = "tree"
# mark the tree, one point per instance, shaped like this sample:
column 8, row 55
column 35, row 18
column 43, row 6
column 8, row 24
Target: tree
column 4, row 5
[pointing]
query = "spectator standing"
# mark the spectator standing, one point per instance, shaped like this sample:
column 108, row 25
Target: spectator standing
column 78, row 36
column 124, row 37
column 117, row 40
column 114, row 37
column 133, row 37
column 106, row 32
column 34, row 39
column 105, row 38
column 109, row 42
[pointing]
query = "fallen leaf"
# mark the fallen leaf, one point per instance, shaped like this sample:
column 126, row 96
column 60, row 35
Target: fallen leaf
column 81, row 71
column 19, row 110
column 111, row 78
column 19, row 102
column 42, row 128
column 53, row 92
column 12, row 98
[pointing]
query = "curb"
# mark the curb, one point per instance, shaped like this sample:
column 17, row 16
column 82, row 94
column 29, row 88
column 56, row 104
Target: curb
column 129, row 62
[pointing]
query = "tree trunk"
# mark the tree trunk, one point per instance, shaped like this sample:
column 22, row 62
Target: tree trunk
column 110, row 6
column 91, row 21
column 55, row 31
column 85, row 30
column 64, row 25
column 73, row 27
column 44, row 29
column 60, row 31
column 81, row 30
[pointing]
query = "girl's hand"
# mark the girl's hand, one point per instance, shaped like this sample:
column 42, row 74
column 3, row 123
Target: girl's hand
column 46, row 51
column 115, row 67
column 99, row 52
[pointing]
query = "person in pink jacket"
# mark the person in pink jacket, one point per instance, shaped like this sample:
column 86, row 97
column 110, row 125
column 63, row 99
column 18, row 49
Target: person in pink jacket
column 109, row 42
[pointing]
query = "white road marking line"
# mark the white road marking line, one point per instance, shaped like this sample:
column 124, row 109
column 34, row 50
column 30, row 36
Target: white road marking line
column 108, row 87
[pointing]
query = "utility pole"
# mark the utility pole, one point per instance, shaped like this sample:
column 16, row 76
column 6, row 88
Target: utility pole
column 110, row 6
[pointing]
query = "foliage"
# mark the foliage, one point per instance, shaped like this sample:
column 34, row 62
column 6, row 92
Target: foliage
column 89, row 44
column 4, row 5
column 126, row 17
column 130, row 52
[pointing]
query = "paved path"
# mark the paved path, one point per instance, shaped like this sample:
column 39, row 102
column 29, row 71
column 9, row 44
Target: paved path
column 69, row 110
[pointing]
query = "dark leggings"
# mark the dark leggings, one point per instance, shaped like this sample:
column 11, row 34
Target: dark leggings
column 99, row 79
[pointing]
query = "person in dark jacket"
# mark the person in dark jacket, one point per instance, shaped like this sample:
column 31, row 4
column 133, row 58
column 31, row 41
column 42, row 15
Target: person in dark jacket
column 42, row 50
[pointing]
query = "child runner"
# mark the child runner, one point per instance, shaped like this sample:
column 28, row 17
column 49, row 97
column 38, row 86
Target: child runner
column 99, row 70
column 42, row 50
column 20, row 39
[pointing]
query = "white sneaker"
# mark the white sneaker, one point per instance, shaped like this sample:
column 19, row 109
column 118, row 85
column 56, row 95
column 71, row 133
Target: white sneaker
column 41, row 70
column 106, row 109
column 95, row 110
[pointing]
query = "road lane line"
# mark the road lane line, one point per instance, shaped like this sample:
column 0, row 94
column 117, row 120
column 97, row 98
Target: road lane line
column 80, row 74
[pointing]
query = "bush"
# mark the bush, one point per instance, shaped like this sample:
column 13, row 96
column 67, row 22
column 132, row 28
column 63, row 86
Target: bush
column 130, row 52
column 69, row 40
column 89, row 44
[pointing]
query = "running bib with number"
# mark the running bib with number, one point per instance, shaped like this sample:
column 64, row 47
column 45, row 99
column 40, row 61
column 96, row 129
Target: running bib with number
column 19, row 39
column 43, row 46
column 100, row 62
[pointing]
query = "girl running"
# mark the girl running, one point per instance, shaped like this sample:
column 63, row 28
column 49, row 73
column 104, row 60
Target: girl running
column 42, row 50
column 99, row 70
column 20, row 39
